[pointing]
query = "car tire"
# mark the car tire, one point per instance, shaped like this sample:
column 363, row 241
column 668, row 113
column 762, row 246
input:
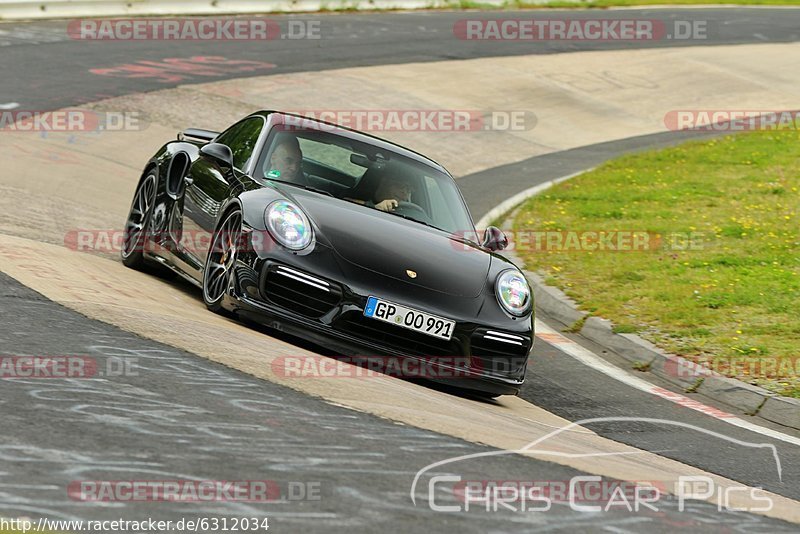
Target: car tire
column 221, row 260
column 138, row 222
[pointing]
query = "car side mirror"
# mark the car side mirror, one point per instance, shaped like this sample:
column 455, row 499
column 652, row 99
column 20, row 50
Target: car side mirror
column 494, row 239
column 218, row 152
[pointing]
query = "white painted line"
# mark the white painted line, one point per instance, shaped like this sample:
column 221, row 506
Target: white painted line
column 519, row 198
column 9, row 105
column 590, row 359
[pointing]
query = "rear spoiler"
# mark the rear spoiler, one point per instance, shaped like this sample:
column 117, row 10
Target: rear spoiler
column 198, row 134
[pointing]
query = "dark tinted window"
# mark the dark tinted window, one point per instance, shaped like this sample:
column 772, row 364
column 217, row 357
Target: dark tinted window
column 368, row 175
column 242, row 139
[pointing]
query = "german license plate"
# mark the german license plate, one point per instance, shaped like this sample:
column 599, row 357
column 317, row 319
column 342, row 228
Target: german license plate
column 416, row 320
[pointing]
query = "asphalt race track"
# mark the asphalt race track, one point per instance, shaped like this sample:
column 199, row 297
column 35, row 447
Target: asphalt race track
column 183, row 416
column 57, row 78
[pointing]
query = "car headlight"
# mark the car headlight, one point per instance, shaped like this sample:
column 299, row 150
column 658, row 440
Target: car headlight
column 513, row 292
column 288, row 225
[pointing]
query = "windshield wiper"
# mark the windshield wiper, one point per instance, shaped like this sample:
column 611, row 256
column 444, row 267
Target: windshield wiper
column 306, row 187
column 415, row 220
column 395, row 214
column 317, row 190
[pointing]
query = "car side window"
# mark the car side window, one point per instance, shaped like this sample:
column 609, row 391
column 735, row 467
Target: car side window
column 242, row 138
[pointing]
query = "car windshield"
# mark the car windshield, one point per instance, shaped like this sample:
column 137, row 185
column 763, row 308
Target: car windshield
column 367, row 175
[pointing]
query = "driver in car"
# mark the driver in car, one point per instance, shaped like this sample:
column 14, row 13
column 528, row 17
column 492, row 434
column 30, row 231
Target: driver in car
column 391, row 191
column 286, row 160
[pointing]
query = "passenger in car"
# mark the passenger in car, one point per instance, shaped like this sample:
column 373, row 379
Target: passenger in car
column 285, row 162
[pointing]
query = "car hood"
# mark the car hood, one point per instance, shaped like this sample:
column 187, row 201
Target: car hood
column 391, row 246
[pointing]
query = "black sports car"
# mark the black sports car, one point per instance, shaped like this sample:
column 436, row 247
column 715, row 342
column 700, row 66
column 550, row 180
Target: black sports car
column 340, row 238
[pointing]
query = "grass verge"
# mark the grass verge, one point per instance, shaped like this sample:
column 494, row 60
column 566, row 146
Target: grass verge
column 716, row 278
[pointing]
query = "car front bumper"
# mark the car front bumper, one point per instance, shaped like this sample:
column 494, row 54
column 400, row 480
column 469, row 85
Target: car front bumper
column 482, row 358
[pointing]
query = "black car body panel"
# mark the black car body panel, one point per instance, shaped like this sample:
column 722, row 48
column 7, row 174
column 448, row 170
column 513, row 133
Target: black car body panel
column 357, row 253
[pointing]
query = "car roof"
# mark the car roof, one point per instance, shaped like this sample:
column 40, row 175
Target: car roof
column 316, row 124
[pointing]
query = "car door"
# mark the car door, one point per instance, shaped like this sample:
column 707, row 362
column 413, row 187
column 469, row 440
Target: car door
column 209, row 185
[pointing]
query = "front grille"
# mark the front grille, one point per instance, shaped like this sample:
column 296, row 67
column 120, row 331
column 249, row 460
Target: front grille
column 401, row 339
column 499, row 352
column 300, row 292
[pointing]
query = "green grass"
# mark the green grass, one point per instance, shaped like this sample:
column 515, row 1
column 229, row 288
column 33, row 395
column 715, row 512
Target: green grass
column 737, row 294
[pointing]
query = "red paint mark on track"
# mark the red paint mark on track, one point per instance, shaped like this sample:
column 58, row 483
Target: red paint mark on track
column 171, row 70
column 553, row 338
column 692, row 404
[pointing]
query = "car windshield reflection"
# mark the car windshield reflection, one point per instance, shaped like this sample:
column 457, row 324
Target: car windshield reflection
column 345, row 169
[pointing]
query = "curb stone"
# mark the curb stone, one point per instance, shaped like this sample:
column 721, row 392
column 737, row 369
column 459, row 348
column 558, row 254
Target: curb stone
column 782, row 410
column 558, row 306
column 742, row 395
column 752, row 400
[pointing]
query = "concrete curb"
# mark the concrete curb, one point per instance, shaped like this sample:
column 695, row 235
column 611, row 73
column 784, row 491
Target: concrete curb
column 642, row 354
column 559, row 306
column 782, row 410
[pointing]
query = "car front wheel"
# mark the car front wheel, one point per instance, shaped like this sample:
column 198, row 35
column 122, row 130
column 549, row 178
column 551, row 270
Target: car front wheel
column 221, row 260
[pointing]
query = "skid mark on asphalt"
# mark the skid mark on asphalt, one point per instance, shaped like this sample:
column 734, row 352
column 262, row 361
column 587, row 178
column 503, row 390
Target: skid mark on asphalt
column 173, row 416
column 143, row 434
column 105, row 290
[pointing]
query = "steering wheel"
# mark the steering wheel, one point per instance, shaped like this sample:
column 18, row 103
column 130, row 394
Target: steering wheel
column 409, row 209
